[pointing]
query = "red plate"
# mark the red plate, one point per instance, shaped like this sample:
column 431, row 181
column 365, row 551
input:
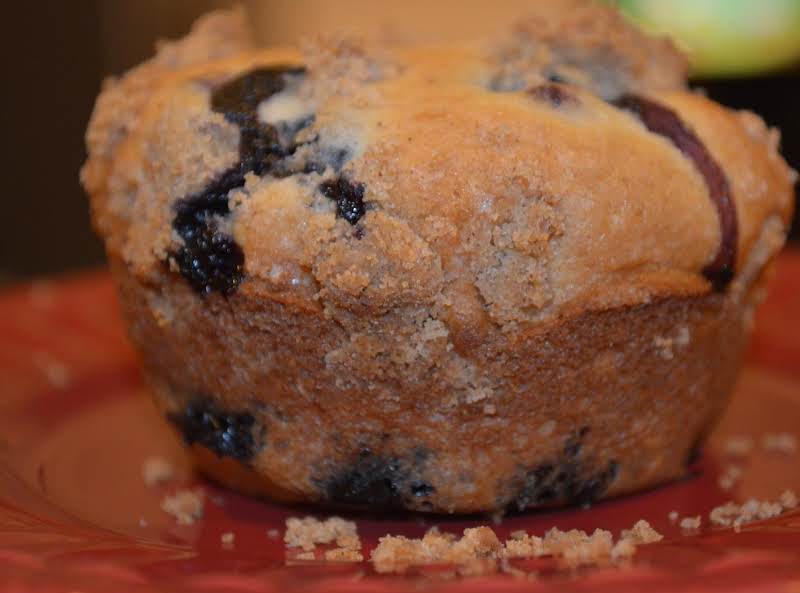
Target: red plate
column 75, row 515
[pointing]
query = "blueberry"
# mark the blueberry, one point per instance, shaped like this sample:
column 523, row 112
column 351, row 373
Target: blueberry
column 553, row 94
column 663, row 121
column 349, row 198
column 369, row 481
column 421, row 489
column 261, row 145
column 228, row 434
column 210, row 260
column 378, row 482
column 556, row 78
column 239, row 98
column 564, row 480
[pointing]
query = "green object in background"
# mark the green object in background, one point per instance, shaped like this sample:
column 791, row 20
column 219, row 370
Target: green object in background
column 725, row 37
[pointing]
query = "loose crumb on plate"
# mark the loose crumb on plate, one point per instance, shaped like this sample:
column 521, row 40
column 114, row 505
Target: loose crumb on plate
column 185, row 505
column 691, row 523
column 273, row 534
column 57, row 373
column 343, row 555
column 642, row 533
column 156, row 471
column 739, row 446
column 673, row 516
column 522, row 545
column 397, row 553
column 736, row 515
column 729, row 478
column 780, row 442
column 306, row 533
column 228, row 538
column 788, row 500
column 480, row 548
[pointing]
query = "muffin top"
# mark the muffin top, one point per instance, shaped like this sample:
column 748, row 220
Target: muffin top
column 560, row 167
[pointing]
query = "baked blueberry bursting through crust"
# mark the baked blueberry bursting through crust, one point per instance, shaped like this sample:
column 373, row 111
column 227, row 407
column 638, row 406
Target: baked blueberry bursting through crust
column 349, row 198
column 209, row 259
column 378, row 483
column 228, row 434
column 665, row 122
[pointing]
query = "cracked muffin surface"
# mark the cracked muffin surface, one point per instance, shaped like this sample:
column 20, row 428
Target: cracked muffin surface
column 486, row 276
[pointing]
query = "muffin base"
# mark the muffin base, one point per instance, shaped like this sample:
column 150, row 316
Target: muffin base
column 583, row 408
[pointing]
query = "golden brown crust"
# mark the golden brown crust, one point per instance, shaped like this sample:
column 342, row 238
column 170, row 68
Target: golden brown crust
column 525, row 262
column 631, row 390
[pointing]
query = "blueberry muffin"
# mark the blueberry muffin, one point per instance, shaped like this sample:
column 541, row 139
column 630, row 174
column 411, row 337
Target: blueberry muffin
column 500, row 275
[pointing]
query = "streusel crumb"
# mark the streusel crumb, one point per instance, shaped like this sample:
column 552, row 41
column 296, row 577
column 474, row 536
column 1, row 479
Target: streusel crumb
column 480, row 547
column 735, row 515
column 781, row 442
column 739, row 446
column 156, row 471
column 691, row 523
column 185, row 505
column 306, row 533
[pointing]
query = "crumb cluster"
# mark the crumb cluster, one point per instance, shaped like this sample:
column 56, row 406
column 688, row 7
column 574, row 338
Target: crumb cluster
column 691, row 523
column 771, row 442
column 156, row 471
column 739, row 446
column 780, row 442
column 228, row 538
column 574, row 547
column 673, row 516
column 308, row 532
column 185, row 505
column 735, row 515
column 730, row 476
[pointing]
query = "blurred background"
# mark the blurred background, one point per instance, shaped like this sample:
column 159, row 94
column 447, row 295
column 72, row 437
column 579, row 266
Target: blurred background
column 746, row 54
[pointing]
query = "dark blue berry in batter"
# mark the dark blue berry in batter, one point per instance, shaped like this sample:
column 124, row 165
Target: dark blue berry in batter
column 228, row 434
column 349, row 198
column 210, row 260
column 665, row 122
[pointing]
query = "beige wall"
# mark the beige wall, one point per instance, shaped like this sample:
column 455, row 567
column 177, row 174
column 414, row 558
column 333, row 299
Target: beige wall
column 128, row 27
column 283, row 21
